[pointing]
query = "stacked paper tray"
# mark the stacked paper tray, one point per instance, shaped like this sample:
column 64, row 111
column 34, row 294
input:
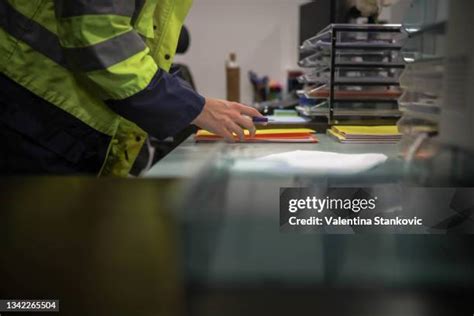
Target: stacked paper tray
column 370, row 50
column 426, row 25
column 353, row 64
column 382, row 59
column 354, row 36
column 422, row 83
column 355, row 76
column 369, row 102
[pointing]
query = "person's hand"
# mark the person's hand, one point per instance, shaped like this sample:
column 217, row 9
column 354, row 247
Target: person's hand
column 226, row 118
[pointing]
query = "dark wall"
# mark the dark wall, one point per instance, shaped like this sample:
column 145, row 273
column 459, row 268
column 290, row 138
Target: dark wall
column 316, row 15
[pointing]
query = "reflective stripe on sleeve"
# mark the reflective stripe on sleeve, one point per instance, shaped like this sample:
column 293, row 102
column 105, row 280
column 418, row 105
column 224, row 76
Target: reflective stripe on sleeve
column 95, row 57
column 107, row 53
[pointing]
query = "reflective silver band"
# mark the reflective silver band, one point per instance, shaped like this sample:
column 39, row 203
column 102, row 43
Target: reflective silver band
column 105, row 54
column 95, row 57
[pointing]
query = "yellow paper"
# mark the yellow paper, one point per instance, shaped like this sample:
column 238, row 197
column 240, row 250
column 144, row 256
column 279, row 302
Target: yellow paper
column 385, row 130
column 284, row 131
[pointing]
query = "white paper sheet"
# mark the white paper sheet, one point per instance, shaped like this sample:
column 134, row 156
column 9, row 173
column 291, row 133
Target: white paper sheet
column 314, row 162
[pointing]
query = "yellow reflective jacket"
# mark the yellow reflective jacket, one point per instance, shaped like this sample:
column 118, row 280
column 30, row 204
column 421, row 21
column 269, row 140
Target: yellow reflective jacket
column 75, row 54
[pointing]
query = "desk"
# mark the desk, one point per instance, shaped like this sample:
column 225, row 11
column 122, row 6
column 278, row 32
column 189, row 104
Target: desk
column 235, row 216
column 231, row 223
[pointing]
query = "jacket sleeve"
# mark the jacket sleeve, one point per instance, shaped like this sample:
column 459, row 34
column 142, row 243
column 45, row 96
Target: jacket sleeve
column 162, row 109
column 101, row 46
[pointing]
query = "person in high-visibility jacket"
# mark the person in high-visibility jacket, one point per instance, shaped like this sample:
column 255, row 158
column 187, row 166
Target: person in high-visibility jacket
column 84, row 82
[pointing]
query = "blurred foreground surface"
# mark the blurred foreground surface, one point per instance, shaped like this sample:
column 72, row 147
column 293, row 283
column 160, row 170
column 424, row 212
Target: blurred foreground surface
column 166, row 247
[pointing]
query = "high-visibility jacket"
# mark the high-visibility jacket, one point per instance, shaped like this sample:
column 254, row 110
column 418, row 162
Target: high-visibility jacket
column 87, row 60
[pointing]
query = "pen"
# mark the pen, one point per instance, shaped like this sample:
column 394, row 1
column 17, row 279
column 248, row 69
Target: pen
column 260, row 119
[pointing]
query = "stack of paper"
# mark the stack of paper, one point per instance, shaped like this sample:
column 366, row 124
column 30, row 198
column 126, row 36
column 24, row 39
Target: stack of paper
column 365, row 134
column 291, row 135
